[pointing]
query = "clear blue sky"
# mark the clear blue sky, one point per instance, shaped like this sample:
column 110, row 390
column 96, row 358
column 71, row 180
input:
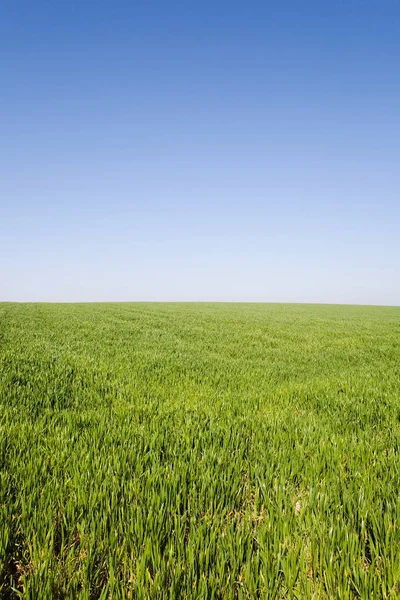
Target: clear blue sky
column 200, row 150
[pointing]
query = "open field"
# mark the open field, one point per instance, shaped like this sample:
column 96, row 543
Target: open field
column 199, row 451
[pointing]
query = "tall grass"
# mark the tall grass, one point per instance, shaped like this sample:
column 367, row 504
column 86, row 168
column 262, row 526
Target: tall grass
column 199, row 451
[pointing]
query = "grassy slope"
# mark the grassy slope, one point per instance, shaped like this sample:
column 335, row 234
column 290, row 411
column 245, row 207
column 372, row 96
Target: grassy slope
column 199, row 451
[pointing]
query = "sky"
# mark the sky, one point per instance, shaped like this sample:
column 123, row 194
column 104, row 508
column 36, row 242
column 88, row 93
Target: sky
column 200, row 151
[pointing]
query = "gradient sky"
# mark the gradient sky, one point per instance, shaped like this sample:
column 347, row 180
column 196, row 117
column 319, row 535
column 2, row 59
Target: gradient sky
column 200, row 150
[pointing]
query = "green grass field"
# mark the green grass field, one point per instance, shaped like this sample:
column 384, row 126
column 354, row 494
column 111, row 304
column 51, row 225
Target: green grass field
column 199, row 451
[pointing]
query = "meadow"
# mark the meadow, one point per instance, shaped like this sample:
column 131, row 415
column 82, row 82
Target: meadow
column 216, row 451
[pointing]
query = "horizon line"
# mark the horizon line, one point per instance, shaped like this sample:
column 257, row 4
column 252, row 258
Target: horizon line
column 301, row 303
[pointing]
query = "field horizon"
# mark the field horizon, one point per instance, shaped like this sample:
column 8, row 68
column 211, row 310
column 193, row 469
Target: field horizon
column 200, row 302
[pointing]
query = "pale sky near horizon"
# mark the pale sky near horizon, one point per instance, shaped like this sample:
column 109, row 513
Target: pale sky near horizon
column 227, row 151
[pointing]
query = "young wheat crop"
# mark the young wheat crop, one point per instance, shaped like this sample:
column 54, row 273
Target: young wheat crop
column 199, row 451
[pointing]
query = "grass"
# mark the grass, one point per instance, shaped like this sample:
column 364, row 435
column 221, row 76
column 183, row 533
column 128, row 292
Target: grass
column 199, row 451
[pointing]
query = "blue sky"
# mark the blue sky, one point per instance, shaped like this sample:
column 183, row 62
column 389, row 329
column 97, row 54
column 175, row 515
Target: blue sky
column 238, row 151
